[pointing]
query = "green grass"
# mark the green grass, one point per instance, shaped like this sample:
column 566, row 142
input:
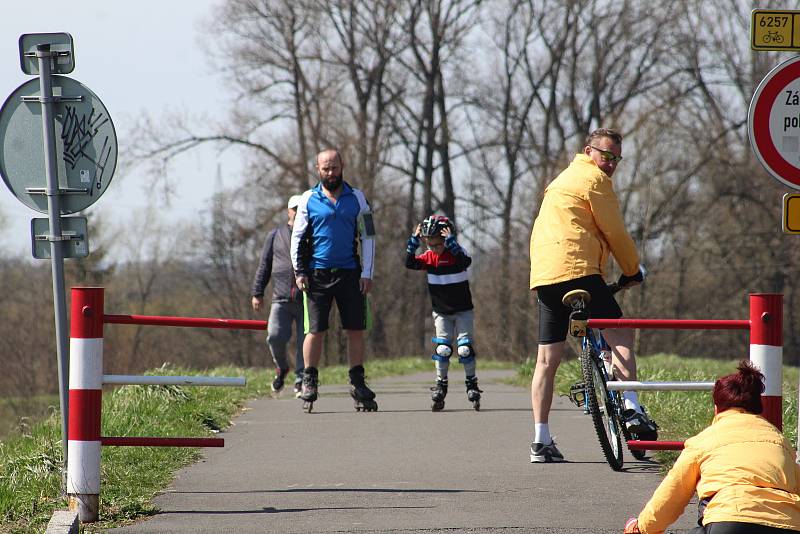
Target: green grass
column 30, row 478
column 35, row 408
column 680, row 414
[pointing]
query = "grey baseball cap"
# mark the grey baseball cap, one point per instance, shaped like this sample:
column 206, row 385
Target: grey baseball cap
column 294, row 201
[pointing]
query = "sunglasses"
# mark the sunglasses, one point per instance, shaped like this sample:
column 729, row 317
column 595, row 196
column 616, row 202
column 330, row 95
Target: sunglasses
column 605, row 155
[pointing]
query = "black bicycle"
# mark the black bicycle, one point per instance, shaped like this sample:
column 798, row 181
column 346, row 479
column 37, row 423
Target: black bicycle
column 592, row 394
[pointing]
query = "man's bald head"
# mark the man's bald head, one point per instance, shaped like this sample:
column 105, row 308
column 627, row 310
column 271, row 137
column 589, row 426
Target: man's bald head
column 329, row 167
column 329, row 153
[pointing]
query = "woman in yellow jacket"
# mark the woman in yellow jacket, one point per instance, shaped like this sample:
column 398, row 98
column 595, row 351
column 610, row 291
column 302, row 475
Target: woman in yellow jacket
column 579, row 225
column 742, row 467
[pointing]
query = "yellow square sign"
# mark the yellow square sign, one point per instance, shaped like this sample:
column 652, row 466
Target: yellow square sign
column 791, row 213
column 773, row 29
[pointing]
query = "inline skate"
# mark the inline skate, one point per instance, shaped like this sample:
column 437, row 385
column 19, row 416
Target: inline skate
column 363, row 397
column 473, row 393
column 278, row 381
column 308, row 393
column 438, row 393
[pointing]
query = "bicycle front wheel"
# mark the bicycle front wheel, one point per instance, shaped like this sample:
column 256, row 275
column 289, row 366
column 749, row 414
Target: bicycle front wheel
column 603, row 414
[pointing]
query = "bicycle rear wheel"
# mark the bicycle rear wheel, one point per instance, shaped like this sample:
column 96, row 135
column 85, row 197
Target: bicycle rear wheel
column 606, row 424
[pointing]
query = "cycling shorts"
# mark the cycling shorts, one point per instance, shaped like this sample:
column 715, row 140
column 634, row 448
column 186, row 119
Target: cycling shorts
column 731, row 527
column 325, row 285
column 554, row 316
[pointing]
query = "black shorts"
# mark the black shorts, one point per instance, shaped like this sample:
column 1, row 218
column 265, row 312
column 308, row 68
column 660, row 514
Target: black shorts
column 554, row 316
column 325, row 285
column 731, row 527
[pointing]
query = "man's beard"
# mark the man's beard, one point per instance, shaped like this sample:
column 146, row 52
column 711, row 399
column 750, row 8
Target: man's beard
column 333, row 183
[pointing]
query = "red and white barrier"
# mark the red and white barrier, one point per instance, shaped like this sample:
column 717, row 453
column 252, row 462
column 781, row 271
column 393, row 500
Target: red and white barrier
column 85, row 400
column 86, row 381
column 766, row 351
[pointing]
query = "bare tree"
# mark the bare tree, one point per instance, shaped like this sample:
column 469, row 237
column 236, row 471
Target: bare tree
column 422, row 118
column 148, row 254
column 471, row 108
column 716, row 211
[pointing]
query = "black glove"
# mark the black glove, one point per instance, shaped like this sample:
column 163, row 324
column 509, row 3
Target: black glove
column 625, row 281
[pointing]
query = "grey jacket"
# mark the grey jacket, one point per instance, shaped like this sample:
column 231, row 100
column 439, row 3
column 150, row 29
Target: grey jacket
column 276, row 263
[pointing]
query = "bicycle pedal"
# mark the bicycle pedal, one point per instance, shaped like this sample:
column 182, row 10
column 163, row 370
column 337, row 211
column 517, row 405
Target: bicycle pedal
column 577, row 394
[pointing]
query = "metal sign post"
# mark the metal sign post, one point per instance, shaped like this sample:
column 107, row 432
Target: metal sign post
column 58, row 152
column 43, row 54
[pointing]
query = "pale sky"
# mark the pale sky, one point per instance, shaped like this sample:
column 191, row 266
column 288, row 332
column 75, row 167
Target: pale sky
column 134, row 56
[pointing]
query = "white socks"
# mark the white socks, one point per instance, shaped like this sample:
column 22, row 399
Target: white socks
column 541, row 433
column 631, row 401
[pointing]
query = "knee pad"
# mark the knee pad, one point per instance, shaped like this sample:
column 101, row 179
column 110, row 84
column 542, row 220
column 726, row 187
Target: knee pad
column 443, row 349
column 466, row 353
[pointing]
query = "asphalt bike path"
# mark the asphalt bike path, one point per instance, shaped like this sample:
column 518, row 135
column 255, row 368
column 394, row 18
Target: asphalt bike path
column 404, row 468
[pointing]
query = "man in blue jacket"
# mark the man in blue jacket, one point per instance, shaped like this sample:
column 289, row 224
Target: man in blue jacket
column 333, row 248
column 287, row 302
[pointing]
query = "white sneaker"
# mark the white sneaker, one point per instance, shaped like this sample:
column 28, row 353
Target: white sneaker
column 541, row 453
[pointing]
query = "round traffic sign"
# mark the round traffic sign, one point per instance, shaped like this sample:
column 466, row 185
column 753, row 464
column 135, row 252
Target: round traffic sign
column 86, row 145
column 774, row 122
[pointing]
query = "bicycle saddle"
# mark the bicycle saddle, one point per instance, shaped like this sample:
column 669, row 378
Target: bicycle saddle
column 576, row 298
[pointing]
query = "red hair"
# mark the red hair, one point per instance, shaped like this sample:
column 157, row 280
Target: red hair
column 740, row 390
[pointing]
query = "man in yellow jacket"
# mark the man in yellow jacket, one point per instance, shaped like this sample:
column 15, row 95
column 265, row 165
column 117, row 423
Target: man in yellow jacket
column 578, row 226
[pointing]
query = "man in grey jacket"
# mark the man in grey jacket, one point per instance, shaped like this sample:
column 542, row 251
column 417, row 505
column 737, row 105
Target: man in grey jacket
column 287, row 300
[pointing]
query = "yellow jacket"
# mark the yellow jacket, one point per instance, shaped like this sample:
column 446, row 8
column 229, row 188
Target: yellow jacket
column 741, row 460
column 578, row 224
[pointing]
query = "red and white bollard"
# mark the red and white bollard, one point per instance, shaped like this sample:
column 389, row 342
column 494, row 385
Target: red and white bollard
column 766, row 351
column 85, row 399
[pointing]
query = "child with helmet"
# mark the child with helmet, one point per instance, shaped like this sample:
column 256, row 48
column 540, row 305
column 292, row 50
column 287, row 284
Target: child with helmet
column 447, row 263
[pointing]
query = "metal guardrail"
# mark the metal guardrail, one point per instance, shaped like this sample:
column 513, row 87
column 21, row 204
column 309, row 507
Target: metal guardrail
column 150, row 380
column 621, row 385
